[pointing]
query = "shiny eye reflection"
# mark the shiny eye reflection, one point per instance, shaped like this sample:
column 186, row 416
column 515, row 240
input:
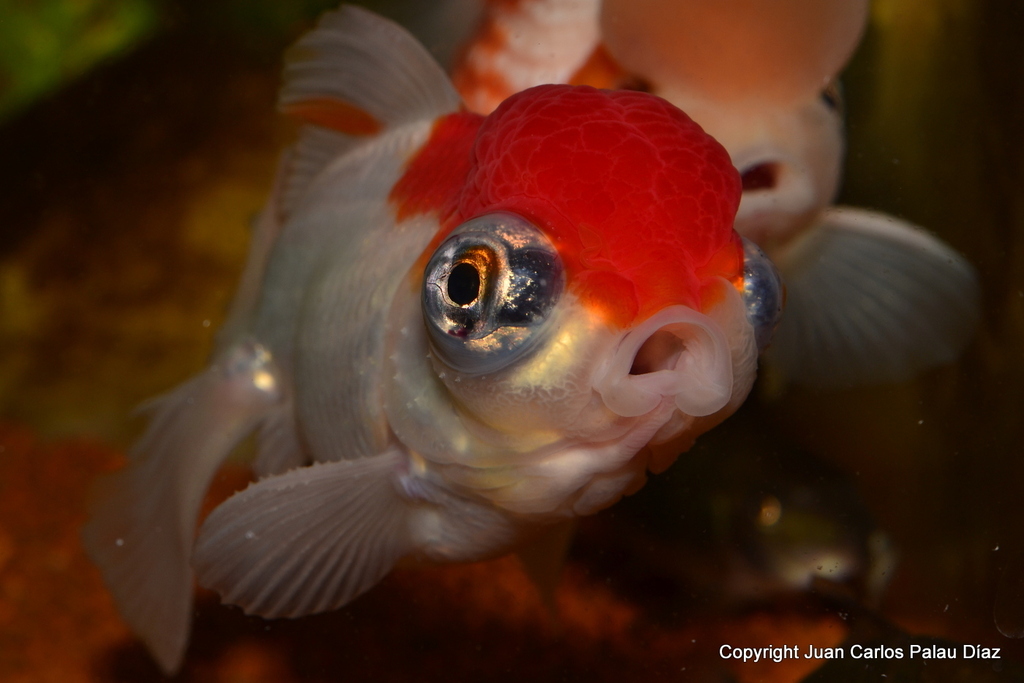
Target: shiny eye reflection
column 763, row 293
column 488, row 292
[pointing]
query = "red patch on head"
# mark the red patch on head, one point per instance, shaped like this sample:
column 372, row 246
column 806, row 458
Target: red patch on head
column 638, row 198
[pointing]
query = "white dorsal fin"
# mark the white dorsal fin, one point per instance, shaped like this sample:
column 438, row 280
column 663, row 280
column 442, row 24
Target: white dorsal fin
column 365, row 61
column 356, row 75
column 312, row 152
column 871, row 299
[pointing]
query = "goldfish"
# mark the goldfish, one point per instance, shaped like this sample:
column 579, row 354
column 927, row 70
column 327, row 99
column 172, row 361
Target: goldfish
column 871, row 298
column 454, row 335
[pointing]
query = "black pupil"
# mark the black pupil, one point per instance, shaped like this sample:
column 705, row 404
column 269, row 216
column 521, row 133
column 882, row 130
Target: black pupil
column 463, row 284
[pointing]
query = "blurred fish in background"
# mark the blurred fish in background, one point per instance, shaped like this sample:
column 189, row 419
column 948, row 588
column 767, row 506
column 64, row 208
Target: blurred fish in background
column 871, row 298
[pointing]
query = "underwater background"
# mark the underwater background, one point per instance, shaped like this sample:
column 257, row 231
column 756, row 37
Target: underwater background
column 138, row 138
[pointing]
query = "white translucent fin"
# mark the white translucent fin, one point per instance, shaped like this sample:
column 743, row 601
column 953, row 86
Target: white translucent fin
column 278, row 446
column 368, row 70
column 143, row 517
column 312, row 152
column 265, row 230
column 871, row 299
column 306, row 541
column 365, row 60
column 544, row 558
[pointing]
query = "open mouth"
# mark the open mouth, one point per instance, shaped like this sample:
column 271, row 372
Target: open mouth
column 763, row 176
column 678, row 354
column 660, row 352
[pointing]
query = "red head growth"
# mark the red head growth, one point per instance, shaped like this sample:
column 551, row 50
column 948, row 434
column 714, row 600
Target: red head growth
column 638, row 199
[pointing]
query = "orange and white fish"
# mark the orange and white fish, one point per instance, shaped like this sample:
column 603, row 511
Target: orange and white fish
column 454, row 335
column 870, row 298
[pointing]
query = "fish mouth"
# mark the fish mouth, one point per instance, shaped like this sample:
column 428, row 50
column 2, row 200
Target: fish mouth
column 759, row 177
column 661, row 351
column 678, row 354
column 777, row 192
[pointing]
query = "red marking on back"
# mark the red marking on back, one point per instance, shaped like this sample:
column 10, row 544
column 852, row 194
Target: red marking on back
column 436, row 174
column 336, row 115
column 638, row 199
column 477, row 74
column 600, row 71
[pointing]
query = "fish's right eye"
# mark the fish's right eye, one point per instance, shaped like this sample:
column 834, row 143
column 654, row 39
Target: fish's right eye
column 488, row 291
column 832, row 96
column 764, row 294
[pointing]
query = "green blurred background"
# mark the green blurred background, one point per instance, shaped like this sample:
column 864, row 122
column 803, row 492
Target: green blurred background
column 45, row 44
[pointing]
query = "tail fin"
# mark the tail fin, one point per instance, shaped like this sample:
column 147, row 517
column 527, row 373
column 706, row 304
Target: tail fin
column 143, row 517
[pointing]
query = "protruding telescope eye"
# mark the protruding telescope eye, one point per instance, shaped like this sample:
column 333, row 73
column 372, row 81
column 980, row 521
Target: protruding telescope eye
column 763, row 293
column 488, row 292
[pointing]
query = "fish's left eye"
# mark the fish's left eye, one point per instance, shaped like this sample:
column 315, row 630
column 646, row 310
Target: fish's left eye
column 764, row 294
column 488, row 291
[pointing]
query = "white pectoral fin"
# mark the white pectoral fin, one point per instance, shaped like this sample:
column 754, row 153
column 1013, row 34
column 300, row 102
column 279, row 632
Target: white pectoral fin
column 143, row 517
column 871, row 299
column 306, row 541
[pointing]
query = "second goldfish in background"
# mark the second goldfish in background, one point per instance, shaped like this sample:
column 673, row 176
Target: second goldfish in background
column 871, row 298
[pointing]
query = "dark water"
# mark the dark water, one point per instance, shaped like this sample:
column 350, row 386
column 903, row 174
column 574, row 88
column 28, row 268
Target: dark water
column 124, row 201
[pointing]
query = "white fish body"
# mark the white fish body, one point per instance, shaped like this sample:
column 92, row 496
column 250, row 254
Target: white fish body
column 384, row 434
column 142, row 529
